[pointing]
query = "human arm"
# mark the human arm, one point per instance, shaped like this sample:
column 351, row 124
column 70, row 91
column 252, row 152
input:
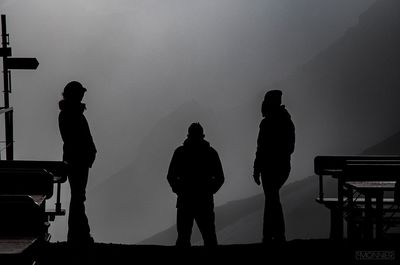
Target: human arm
column 173, row 175
column 218, row 175
column 259, row 154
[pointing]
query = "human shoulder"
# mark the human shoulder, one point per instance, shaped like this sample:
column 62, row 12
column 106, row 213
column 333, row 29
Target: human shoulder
column 264, row 123
column 212, row 151
column 179, row 149
column 63, row 116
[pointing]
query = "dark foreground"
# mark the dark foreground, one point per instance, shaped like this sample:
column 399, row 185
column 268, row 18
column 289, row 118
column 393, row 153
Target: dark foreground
column 304, row 251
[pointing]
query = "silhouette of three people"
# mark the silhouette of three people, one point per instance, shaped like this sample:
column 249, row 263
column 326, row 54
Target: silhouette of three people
column 79, row 152
column 195, row 174
column 275, row 144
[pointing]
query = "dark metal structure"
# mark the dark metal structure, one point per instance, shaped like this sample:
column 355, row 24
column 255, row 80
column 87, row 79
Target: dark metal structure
column 25, row 186
column 361, row 184
column 10, row 63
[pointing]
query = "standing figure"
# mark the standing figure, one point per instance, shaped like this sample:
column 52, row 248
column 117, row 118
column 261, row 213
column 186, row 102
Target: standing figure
column 195, row 174
column 79, row 152
column 275, row 144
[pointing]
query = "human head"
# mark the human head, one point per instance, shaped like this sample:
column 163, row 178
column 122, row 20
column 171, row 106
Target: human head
column 195, row 131
column 272, row 100
column 74, row 91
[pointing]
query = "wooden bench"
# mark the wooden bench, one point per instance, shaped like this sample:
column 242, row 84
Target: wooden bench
column 22, row 171
column 353, row 168
column 25, row 186
column 18, row 251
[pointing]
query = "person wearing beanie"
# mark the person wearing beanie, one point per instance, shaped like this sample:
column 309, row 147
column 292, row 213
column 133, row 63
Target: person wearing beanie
column 79, row 152
column 195, row 174
column 275, row 144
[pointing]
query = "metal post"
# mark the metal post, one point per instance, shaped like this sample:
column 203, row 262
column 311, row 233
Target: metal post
column 340, row 225
column 379, row 215
column 58, row 203
column 321, row 188
column 8, row 115
column 351, row 228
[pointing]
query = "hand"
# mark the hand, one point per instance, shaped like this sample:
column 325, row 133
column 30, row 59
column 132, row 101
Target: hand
column 256, row 176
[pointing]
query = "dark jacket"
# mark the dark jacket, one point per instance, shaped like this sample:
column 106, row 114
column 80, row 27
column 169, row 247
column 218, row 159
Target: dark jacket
column 276, row 140
column 78, row 148
column 195, row 173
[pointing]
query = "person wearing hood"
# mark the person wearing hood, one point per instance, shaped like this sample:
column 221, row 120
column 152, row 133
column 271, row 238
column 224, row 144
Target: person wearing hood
column 79, row 152
column 195, row 174
column 275, row 144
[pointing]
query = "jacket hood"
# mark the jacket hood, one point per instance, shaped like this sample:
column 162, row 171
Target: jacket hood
column 278, row 112
column 71, row 106
column 283, row 111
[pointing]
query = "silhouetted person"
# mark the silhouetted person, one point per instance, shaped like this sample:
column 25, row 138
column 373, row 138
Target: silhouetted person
column 79, row 152
column 275, row 144
column 195, row 175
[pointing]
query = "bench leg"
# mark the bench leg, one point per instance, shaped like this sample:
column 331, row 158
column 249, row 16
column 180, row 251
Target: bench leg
column 379, row 216
column 351, row 228
column 340, row 211
column 335, row 224
column 368, row 226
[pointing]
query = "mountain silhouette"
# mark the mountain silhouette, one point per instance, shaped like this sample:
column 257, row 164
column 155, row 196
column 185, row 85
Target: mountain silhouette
column 356, row 83
column 346, row 91
column 126, row 200
column 390, row 146
column 240, row 222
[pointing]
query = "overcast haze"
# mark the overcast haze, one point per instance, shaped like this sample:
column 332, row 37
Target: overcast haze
column 144, row 62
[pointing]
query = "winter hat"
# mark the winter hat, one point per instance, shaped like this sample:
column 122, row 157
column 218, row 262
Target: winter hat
column 195, row 131
column 273, row 98
column 72, row 88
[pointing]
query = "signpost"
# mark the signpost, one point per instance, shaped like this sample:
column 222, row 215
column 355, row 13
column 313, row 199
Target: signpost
column 22, row 63
column 5, row 51
column 10, row 63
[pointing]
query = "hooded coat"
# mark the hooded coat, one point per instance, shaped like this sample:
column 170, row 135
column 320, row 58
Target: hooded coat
column 195, row 173
column 275, row 142
column 79, row 148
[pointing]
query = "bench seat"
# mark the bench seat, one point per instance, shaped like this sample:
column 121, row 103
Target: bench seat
column 18, row 250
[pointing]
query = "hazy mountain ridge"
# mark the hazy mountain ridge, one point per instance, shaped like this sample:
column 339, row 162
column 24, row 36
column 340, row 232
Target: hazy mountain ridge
column 142, row 188
column 304, row 217
column 142, row 59
column 355, row 82
column 233, row 132
column 352, row 75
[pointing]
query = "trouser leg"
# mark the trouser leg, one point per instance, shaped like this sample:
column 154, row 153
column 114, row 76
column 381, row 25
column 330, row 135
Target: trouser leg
column 278, row 221
column 274, row 222
column 205, row 219
column 78, row 225
column 184, row 224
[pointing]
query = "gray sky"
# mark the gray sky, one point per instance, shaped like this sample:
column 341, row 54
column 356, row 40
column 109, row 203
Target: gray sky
column 142, row 60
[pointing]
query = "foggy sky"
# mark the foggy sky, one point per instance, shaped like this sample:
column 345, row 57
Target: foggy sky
column 141, row 60
column 144, row 58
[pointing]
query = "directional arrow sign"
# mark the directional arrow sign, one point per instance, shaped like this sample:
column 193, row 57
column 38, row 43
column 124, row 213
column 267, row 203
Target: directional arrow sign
column 22, row 63
column 5, row 51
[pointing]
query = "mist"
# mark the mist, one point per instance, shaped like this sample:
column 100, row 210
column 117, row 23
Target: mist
column 159, row 65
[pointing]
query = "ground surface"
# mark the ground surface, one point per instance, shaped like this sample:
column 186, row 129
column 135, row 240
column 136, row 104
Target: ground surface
column 296, row 251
